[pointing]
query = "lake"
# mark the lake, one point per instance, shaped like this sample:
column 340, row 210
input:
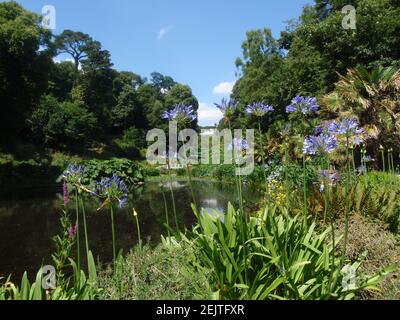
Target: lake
column 29, row 219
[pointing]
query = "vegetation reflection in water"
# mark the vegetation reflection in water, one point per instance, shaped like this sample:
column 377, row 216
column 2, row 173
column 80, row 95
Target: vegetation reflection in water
column 27, row 225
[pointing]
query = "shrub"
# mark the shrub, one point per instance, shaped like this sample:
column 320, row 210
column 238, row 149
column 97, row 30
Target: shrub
column 126, row 169
column 131, row 142
column 151, row 172
column 377, row 194
column 274, row 256
column 62, row 124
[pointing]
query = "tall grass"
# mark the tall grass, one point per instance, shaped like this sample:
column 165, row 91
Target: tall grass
column 285, row 257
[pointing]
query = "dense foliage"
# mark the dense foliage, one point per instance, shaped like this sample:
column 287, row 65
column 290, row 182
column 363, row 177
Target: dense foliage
column 353, row 71
column 72, row 105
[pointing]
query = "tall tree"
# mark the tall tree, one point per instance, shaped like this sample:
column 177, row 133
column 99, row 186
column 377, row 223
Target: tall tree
column 161, row 82
column 25, row 60
column 77, row 44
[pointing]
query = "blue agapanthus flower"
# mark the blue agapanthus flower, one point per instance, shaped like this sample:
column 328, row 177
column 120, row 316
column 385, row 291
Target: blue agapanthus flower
column 333, row 127
column 180, row 111
column 259, row 109
column 319, row 144
column 304, row 105
column 347, row 127
column 319, row 130
column 73, row 174
column 227, row 106
column 113, row 188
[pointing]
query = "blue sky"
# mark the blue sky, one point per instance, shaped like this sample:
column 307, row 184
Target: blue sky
column 195, row 42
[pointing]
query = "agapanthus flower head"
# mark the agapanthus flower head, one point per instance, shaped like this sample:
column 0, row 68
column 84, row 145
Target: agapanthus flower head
column 113, row 188
column 259, row 109
column 180, row 112
column 304, row 105
column 347, row 127
column 65, row 192
column 73, row 174
column 319, row 130
column 357, row 140
column 319, row 144
column 227, row 107
column 333, row 127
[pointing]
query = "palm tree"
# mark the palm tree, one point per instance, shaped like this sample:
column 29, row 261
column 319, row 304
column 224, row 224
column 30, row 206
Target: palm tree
column 373, row 98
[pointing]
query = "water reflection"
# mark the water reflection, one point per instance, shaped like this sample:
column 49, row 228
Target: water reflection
column 27, row 224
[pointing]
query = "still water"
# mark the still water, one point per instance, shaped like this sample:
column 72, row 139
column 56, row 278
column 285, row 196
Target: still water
column 29, row 219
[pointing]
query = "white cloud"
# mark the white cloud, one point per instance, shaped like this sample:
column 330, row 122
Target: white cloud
column 224, row 88
column 59, row 60
column 163, row 31
column 208, row 115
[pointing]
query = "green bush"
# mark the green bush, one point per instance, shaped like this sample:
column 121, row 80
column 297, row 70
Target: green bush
column 84, row 289
column 131, row 142
column 151, row 172
column 62, row 124
column 273, row 256
column 126, row 169
column 377, row 194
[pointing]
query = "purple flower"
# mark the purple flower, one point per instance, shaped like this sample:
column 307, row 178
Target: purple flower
column 227, row 107
column 291, row 109
column 333, row 127
column 347, row 127
column 320, row 144
column 358, row 140
column 322, row 188
column 180, row 111
column 72, row 231
column 65, row 192
column 304, row 105
column 113, row 188
column 74, row 174
column 259, row 109
column 319, row 130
